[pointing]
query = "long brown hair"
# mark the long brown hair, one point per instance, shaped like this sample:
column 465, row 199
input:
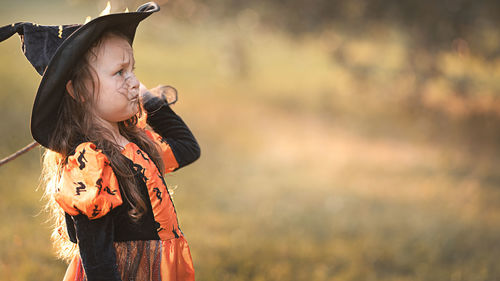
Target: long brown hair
column 76, row 123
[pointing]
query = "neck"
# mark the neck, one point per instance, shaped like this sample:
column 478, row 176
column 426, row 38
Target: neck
column 113, row 127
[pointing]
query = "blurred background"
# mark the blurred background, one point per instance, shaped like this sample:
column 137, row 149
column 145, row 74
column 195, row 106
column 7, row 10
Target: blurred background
column 341, row 140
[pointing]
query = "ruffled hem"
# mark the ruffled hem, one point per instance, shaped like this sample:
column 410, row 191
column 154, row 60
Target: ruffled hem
column 153, row 260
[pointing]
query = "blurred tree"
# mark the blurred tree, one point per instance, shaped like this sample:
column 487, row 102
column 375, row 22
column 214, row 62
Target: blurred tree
column 431, row 24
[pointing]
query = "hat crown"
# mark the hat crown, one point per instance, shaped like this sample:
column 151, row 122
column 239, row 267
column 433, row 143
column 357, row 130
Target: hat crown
column 40, row 42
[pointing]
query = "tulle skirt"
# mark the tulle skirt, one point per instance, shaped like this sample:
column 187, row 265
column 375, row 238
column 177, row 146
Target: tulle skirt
column 149, row 260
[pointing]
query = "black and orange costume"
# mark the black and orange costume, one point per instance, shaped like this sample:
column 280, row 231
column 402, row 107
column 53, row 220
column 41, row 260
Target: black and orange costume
column 112, row 247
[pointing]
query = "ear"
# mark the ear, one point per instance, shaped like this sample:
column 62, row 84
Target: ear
column 69, row 88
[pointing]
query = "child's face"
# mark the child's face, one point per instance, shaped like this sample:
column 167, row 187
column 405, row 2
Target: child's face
column 118, row 96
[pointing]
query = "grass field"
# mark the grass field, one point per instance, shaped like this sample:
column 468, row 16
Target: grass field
column 314, row 165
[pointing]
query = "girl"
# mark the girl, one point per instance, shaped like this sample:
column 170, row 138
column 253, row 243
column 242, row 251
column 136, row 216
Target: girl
column 115, row 219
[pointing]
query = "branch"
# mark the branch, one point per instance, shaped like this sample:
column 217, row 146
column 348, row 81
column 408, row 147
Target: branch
column 18, row 153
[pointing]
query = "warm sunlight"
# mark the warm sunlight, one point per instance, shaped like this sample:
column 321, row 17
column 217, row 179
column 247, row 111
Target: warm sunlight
column 106, row 10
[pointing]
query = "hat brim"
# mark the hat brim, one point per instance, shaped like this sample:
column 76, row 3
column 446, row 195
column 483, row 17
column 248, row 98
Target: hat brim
column 44, row 115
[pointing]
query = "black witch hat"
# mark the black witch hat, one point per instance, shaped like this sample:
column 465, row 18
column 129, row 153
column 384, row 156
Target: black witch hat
column 54, row 51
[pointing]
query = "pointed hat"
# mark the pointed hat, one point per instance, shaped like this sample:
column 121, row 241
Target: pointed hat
column 54, row 50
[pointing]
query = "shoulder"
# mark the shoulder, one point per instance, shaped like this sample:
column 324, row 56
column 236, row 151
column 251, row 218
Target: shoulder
column 167, row 155
column 159, row 140
column 152, row 134
column 88, row 185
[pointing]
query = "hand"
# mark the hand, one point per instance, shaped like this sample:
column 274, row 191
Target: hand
column 166, row 93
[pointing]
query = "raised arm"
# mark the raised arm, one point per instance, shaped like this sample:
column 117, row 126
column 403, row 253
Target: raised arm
column 171, row 128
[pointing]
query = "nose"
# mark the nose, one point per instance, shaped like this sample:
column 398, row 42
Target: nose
column 132, row 82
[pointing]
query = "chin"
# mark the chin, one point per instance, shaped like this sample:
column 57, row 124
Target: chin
column 129, row 112
column 132, row 115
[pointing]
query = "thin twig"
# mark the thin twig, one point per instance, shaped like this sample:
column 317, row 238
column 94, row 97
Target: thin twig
column 18, row 153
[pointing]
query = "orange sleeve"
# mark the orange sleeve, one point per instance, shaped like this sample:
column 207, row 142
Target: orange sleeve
column 166, row 153
column 88, row 184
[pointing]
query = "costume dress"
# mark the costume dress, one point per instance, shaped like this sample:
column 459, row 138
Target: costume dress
column 111, row 246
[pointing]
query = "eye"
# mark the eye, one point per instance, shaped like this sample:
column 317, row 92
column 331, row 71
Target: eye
column 119, row 72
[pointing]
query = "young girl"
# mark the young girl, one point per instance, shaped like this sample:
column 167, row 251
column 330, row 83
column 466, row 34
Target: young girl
column 115, row 219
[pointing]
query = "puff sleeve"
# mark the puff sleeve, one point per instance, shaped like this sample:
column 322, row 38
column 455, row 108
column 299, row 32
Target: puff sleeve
column 88, row 190
column 88, row 184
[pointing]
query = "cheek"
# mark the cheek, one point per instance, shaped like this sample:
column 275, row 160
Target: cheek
column 113, row 106
column 120, row 86
column 109, row 92
column 115, row 84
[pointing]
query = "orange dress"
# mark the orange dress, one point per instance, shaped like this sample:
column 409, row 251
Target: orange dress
column 88, row 186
